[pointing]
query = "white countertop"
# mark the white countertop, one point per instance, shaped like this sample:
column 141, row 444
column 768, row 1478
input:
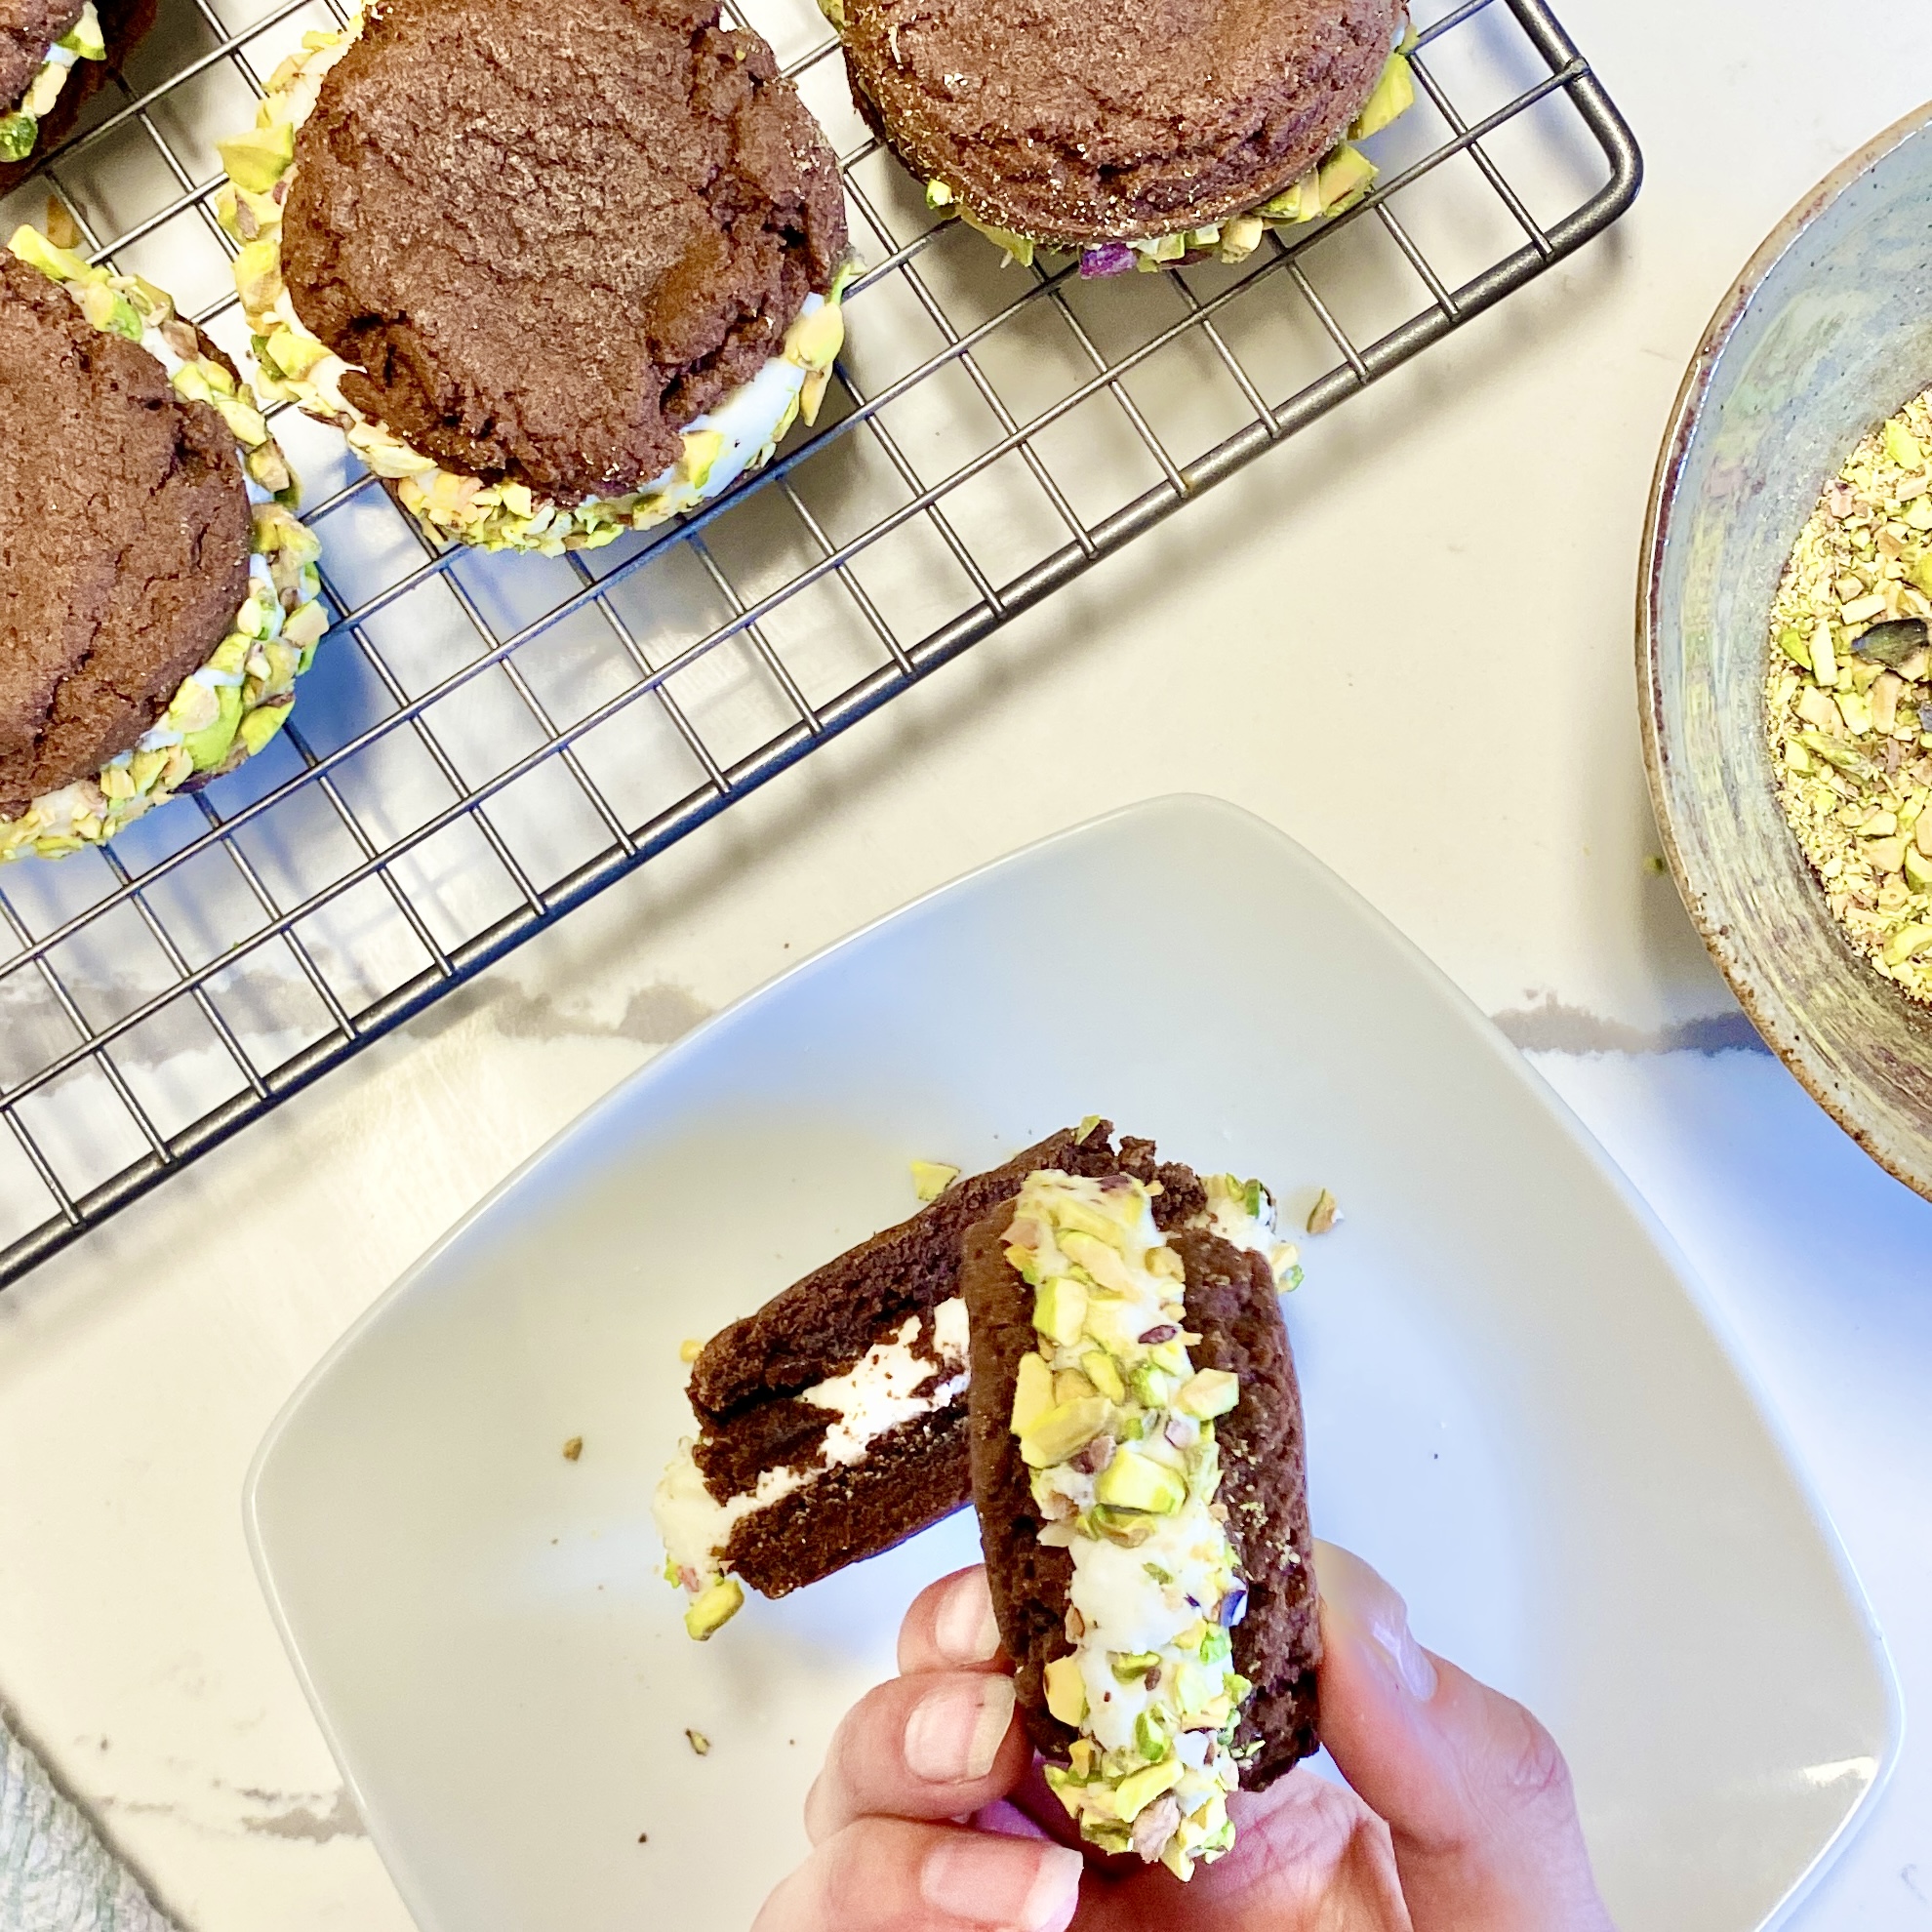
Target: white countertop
column 1457, row 550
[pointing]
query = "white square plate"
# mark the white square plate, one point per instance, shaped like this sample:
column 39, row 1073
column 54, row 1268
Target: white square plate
column 1516, row 1407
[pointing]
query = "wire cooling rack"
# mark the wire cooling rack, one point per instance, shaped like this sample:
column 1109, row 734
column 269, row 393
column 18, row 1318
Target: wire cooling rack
column 485, row 741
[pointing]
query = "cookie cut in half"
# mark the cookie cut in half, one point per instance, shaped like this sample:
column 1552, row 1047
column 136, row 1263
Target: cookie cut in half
column 1139, row 1471
column 157, row 597
column 559, row 270
column 53, row 56
column 1135, row 137
column 832, row 1421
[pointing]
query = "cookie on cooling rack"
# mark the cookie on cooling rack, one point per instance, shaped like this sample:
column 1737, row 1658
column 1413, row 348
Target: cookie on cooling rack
column 560, row 268
column 1135, row 135
column 160, row 596
column 53, row 56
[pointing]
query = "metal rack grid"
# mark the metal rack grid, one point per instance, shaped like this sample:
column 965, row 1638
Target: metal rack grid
column 485, row 741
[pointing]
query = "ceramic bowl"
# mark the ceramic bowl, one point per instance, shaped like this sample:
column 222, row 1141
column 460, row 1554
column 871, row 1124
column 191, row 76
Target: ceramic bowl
column 1827, row 332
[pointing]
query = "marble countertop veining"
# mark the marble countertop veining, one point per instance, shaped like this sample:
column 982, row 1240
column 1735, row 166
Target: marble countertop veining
column 1453, row 555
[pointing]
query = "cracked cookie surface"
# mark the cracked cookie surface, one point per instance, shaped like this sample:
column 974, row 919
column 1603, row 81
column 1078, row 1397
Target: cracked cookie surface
column 124, row 539
column 552, row 236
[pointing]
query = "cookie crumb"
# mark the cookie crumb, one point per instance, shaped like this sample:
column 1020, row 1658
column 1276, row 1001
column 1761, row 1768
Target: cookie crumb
column 573, row 1449
column 643, row 1838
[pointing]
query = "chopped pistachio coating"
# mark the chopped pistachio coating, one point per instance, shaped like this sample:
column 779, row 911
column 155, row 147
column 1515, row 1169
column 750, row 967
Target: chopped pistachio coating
column 1125, row 1472
column 229, row 708
column 21, row 129
column 739, row 435
column 1339, row 179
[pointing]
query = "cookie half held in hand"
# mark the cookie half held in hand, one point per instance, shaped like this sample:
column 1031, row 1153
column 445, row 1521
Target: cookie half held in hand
column 559, row 268
column 159, row 596
column 1139, row 1471
column 1137, row 136
column 832, row 1421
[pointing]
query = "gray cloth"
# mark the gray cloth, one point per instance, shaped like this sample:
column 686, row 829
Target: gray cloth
column 55, row 1875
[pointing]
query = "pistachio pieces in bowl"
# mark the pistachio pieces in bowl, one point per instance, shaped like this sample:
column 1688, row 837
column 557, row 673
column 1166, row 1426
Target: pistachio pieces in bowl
column 1781, row 649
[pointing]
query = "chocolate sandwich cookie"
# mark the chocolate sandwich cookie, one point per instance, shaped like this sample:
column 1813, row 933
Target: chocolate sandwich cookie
column 159, row 596
column 1137, row 1469
column 559, row 270
column 1131, row 136
column 53, row 56
column 832, row 1423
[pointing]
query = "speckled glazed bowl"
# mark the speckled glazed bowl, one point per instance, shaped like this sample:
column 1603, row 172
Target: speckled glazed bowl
column 1826, row 334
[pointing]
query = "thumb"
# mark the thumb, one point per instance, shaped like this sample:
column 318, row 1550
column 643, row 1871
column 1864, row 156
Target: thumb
column 1474, row 1791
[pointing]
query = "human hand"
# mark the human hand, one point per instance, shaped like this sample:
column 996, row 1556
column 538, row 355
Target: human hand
column 929, row 1815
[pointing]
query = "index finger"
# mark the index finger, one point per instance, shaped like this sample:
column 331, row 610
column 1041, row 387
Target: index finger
column 950, row 1627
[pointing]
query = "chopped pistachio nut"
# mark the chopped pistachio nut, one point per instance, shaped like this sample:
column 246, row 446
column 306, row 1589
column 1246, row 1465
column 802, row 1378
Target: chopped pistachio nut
column 690, row 1349
column 1334, row 184
column 736, row 436
column 698, row 1742
column 932, row 1178
column 1323, row 1216
column 234, row 704
column 1117, row 1426
column 713, row 1609
column 1845, row 679
column 19, row 128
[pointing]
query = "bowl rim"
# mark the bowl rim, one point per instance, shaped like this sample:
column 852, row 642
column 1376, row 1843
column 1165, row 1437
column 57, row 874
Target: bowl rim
column 1770, row 1017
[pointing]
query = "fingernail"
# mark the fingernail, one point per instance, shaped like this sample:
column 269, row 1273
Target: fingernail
column 1008, row 1882
column 954, row 1733
column 965, row 1628
column 1360, row 1598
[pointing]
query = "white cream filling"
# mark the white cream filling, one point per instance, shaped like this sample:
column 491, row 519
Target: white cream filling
column 1126, row 1611
column 878, row 1394
column 1226, row 1215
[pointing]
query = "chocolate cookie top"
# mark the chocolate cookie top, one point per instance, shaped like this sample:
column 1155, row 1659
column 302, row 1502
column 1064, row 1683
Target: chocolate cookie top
column 27, row 29
column 1083, row 121
column 124, row 539
column 554, row 234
